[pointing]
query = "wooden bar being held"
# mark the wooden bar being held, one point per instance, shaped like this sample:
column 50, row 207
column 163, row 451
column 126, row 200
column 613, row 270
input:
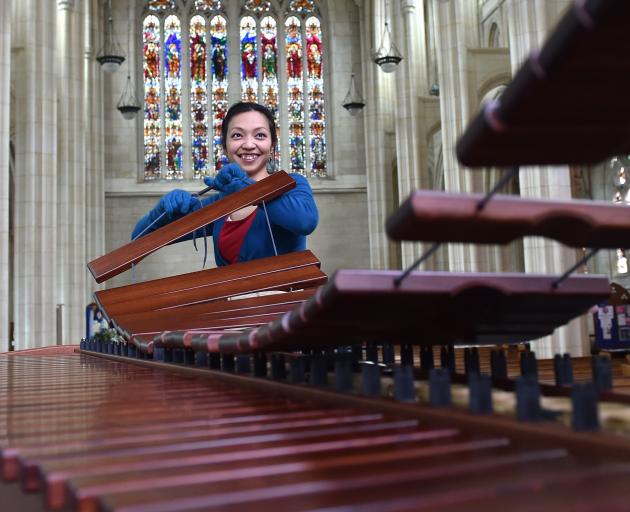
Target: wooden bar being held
column 124, row 257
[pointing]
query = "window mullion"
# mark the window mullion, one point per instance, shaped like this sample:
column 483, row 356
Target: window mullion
column 259, row 62
column 186, row 99
column 163, row 148
column 306, row 101
column 283, row 96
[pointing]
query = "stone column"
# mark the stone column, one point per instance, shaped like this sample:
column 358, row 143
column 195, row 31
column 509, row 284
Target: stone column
column 72, row 290
column 5, row 94
column 35, row 173
column 93, row 98
column 234, row 51
column 457, row 31
column 412, row 83
column 529, row 23
column 377, row 115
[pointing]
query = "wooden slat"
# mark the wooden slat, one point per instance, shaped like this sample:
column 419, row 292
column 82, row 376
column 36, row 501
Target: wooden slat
column 213, row 276
column 440, row 217
column 121, row 259
column 196, row 316
column 549, row 114
column 295, row 278
column 428, row 307
column 139, row 439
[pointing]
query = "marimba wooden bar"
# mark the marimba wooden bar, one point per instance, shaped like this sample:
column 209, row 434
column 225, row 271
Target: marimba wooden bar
column 549, row 114
column 358, row 306
column 141, row 439
column 440, row 217
column 124, row 257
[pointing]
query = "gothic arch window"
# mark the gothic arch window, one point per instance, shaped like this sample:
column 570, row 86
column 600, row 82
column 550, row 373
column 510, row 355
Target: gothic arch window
column 191, row 73
column 494, row 39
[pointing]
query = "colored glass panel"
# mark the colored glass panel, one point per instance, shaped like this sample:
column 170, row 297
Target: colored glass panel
column 160, row 5
column 293, row 46
column 301, row 6
column 249, row 61
column 258, row 5
column 151, row 78
column 208, row 5
column 218, row 39
column 268, row 42
column 198, row 95
column 315, row 88
column 173, row 97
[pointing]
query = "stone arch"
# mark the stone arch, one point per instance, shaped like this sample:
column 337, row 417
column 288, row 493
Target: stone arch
column 493, row 87
column 494, row 36
column 435, row 160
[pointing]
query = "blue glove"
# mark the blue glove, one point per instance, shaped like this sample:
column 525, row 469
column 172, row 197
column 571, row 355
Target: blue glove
column 171, row 206
column 231, row 178
column 177, row 203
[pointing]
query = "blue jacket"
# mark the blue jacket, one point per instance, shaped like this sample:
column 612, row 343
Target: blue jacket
column 292, row 216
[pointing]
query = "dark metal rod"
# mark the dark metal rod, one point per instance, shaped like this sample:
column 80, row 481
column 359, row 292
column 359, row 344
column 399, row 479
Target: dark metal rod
column 416, row 263
column 581, row 262
column 480, row 206
column 202, row 192
column 498, row 186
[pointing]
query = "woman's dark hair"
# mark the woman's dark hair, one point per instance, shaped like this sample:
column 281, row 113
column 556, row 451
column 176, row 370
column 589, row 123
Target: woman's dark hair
column 239, row 108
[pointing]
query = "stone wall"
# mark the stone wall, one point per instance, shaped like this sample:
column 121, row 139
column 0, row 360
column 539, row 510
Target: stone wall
column 341, row 239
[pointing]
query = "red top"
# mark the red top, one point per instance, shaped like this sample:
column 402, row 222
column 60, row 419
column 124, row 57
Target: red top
column 232, row 235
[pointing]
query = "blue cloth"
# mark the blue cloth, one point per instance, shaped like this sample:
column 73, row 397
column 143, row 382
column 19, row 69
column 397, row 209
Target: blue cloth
column 231, row 178
column 292, row 216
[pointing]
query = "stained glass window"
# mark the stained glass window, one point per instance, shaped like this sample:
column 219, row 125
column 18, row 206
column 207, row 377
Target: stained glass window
column 151, row 76
column 258, row 5
column 173, row 99
column 184, row 108
column 301, row 6
column 160, row 5
column 295, row 100
column 315, row 87
column 249, row 61
column 198, row 95
column 218, row 38
column 269, row 45
column 208, row 5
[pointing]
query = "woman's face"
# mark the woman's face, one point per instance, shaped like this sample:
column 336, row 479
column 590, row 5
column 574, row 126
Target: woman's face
column 249, row 143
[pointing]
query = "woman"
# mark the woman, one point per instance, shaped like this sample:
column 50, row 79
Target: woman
column 249, row 139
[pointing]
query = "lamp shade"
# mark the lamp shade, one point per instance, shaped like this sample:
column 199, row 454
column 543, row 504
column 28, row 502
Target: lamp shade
column 353, row 102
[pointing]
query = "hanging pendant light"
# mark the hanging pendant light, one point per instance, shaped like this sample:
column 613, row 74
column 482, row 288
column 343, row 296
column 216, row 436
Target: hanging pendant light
column 387, row 57
column 128, row 104
column 111, row 55
column 353, row 102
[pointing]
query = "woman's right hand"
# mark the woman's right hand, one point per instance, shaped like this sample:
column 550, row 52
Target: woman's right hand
column 178, row 203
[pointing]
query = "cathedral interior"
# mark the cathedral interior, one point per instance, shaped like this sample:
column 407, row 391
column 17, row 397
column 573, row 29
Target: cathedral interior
column 75, row 174
column 453, row 337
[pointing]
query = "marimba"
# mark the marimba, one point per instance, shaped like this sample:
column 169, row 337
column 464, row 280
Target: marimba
column 329, row 396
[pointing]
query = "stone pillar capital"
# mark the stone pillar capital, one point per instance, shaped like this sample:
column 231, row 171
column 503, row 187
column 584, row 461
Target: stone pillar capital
column 65, row 4
column 408, row 6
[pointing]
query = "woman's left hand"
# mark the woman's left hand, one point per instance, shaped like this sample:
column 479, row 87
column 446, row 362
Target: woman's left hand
column 231, row 178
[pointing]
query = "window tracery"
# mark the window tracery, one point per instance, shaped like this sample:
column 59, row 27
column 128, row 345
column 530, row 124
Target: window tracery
column 188, row 87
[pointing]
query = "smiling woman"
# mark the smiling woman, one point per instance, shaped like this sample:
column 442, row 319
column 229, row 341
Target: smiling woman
column 249, row 139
